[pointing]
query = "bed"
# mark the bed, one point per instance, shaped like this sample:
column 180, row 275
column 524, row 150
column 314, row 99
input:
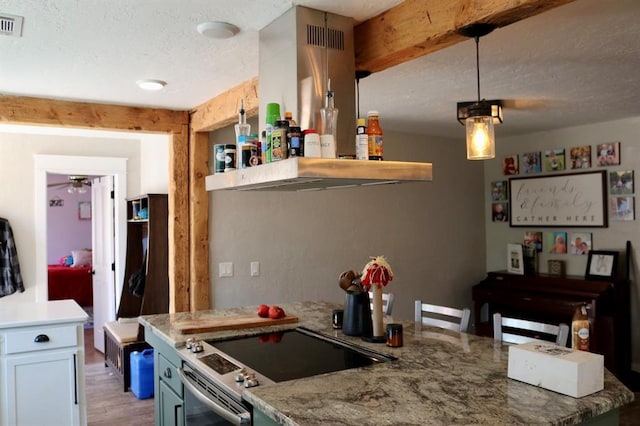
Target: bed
column 66, row 282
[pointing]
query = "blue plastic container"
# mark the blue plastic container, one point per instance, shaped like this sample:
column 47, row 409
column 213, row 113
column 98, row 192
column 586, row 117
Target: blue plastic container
column 142, row 373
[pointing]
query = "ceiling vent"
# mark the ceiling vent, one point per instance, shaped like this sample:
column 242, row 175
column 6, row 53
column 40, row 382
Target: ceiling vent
column 11, row 25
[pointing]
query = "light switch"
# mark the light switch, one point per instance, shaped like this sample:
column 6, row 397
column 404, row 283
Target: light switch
column 225, row 269
column 255, row 269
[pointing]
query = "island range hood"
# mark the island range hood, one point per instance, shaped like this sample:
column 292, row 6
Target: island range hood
column 298, row 53
column 308, row 174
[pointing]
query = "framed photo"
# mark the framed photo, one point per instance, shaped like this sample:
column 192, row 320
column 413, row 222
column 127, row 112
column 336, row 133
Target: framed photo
column 510, row 165
column 557, row 242
column 580, row 243
column 84, row 210
column 580, row 157
column 563, row 200
column 499, row 212
column 555, row 267
column 533, row 238
column 601, row 264
column 608, row 154
column 621, row 208
column 530, row 163
column 621, row 182
column 554, row 160
column 515, row 261
column 499, row 191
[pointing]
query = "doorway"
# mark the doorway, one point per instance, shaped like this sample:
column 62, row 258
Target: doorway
column 99, row 166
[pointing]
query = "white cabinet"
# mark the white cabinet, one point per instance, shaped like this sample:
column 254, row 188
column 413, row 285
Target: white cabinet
column 42, row 365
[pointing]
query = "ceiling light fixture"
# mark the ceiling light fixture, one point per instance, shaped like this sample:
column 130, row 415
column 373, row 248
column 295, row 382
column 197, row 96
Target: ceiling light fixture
column 481, row 115
column 217, row 29
column 151, row 84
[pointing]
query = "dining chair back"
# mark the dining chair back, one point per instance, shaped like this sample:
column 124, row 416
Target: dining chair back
column 524, row 331
column 387, row 302
column 442, row 316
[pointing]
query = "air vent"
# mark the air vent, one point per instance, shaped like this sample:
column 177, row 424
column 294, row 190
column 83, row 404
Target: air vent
column 316, row 37
column 11, row 25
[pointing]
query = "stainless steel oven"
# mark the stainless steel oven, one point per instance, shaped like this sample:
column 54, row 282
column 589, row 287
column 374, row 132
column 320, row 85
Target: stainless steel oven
column 215, row 373
column 207, row 404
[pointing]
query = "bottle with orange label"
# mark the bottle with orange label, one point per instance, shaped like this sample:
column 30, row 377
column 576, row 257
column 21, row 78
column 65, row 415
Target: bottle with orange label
column 580, row 329
column 374, row 136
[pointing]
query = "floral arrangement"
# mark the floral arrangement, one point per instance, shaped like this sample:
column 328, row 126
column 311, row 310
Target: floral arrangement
column 376, row 273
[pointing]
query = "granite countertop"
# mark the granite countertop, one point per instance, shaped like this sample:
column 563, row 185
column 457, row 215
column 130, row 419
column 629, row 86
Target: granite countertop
column 439, row 378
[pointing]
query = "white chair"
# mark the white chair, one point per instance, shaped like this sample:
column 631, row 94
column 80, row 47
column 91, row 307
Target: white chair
column 532, row 330
column 442, row 316
column 387, row 302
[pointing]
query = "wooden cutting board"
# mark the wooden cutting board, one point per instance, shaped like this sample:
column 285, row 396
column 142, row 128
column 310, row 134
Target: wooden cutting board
column 204, row 325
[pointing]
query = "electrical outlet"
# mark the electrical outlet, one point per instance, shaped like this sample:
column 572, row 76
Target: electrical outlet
column 255, row 269
column 225, row 269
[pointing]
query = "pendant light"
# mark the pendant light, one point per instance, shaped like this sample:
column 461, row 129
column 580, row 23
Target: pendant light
column 479, row 117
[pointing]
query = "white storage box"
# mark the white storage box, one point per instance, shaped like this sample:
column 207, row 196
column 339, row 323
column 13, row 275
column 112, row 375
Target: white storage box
column 563, row 370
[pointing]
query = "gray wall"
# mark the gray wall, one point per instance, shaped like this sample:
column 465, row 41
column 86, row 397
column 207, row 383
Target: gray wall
column 431, row 233
column 613, row 237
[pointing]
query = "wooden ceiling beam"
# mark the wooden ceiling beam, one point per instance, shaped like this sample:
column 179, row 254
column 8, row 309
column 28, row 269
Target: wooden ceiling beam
column 415, row 28
column 222, row 110
column 57, row 113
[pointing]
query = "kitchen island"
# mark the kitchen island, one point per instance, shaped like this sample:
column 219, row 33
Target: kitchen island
column 438, row 378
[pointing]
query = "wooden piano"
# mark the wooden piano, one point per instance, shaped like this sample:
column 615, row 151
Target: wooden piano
column 553, row 299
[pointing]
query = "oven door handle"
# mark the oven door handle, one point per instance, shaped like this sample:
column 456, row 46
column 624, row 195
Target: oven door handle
column 236, row 419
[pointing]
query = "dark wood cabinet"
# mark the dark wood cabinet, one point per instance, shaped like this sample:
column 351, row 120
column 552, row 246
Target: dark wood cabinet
column 553, row 299
column 147, row 256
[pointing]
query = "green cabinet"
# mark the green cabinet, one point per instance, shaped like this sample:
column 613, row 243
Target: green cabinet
column 169, row 392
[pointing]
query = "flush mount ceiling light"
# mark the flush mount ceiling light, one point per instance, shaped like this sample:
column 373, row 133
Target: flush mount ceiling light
column 217, row 29
column 480, row 116
column 151, row 84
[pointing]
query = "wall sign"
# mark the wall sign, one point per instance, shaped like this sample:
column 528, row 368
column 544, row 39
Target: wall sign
column 575, row 200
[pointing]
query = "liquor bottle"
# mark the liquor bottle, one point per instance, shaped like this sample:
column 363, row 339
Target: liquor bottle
column 362, row 141
column 580, row 329
column 288, row 115
column 374, row 136
column 243, row 130
column 329, row 123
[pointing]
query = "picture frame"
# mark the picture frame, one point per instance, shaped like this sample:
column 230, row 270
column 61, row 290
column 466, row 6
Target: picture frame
column 84, row 210
column 515, row 260
column 580, row 243
column 580, row 157
column 554, row 160
column 622, row 208
column 561, row 200
column 531, row 163
column 621, row 182
column 499, row 191
column 608, row 154
column 601, row 265
column 510, row 165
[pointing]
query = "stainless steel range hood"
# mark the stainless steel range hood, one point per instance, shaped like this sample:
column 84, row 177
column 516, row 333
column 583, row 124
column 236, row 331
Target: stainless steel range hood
column 308, row 174
column 298, row 52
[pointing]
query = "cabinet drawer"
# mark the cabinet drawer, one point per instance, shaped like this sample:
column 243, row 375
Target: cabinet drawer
column 168, row 374
column 24, row 340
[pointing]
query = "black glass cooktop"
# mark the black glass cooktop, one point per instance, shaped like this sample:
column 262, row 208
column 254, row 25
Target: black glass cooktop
column 294, row 354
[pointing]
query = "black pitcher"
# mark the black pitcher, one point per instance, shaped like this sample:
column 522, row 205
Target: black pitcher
column 357, row 315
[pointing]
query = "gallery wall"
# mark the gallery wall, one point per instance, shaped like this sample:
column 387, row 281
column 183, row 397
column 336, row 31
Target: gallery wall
column 612, row 237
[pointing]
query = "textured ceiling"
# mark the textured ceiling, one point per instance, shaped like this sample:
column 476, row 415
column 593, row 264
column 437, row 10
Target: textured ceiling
column 572, row 65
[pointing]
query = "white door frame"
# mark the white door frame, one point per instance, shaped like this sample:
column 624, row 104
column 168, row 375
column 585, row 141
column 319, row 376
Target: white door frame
column 63, row 164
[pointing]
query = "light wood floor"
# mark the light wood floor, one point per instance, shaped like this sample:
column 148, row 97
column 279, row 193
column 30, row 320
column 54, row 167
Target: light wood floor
column 107, row 404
